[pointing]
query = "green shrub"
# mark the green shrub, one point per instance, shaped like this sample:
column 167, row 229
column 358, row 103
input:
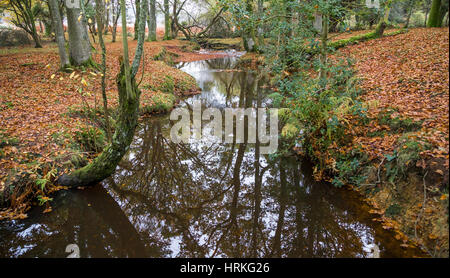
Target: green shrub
column 349, row 168
column 404, row 157
column 393, row 210
column 91, row 139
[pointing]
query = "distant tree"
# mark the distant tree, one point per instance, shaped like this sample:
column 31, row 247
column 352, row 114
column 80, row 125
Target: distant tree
column 151, row 21
column 79, row 44
column 23, row 16
column 166, row 20
column 59, row 32
column 411, row 5
column 115, row 13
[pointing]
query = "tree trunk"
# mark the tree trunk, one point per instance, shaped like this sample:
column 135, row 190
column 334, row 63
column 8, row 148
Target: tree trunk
column 173, row 25
column 35, row 36
column 166, row 20
column 410, row 7
column 323, row 54
column 34, row 33
column 260, row 25
column 114, row 33
column 59, row 33
column 105, row 164
column 136, row 21
column 249, row 35
column 152, row 21
column 115, row 17
column 100, row 11
column 107, row 21
column 379, row 30
column 434, row 16
column 79, row 45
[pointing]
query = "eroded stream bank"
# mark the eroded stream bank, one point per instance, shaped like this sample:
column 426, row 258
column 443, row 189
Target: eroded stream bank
column 204, row 199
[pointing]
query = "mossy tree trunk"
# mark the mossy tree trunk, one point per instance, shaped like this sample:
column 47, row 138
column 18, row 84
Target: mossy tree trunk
column 100, row 13
column 379, row 30
column 105, row 164
column 434, row 19
column 152, row 21
column 166, row 20
column 136, row 21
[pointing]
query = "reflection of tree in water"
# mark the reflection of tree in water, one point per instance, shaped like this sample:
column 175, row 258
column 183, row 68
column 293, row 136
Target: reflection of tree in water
column 228, row 200
column 91, row 219
column 202, row 200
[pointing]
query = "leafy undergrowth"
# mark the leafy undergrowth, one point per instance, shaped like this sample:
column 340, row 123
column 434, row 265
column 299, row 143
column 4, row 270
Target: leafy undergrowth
column 347, row 35
column 401, row 150
column 52, row 119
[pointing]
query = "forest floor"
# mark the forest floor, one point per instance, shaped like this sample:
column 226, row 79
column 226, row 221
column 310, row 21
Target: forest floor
column 406, row 89
column 48, row 116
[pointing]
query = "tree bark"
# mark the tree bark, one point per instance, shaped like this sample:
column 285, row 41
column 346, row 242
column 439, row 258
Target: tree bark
column 105, row 164
column 260, row 25
column 79, row 44
column 115, row 11
column 379, row 30
column 434, row 16
column 106, row 25
column 59, row 33
column 166, row 20
column 152, row 21
column 141, row 37
column 410, row 7
column 100, row 11
column 324, row 40
column 136, row 21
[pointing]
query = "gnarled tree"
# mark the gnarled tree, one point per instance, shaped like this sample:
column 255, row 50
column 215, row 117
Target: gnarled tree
column 23, row 17
column 105, row 164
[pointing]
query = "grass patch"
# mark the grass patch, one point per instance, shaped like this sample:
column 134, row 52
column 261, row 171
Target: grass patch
column 158, row 103
column 363, row 37
column 396, row 123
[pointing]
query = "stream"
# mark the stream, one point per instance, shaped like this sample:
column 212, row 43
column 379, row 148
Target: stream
column 204, row 199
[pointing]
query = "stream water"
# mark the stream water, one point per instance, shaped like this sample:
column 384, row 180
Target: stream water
column 204, row 199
